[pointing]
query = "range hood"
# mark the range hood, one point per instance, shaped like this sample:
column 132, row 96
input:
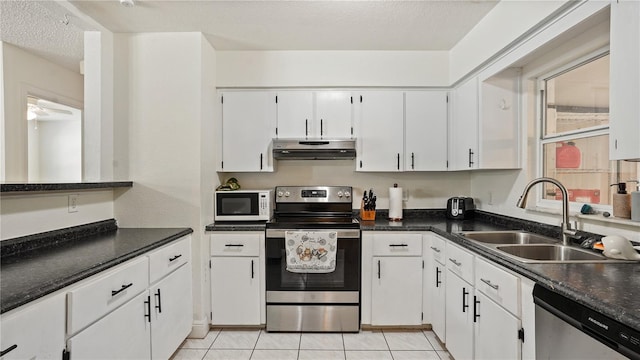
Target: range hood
column 314, row 149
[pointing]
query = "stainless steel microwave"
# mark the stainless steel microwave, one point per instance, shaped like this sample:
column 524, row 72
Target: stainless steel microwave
column 243, row 205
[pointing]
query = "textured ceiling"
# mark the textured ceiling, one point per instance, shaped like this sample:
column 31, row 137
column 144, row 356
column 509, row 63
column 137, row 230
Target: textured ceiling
column 250, row 25
column 39, row 27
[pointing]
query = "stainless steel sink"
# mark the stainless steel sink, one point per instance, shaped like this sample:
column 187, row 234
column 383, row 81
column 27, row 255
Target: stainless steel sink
column 550, row 253
column 528, row 247
column 508, row 237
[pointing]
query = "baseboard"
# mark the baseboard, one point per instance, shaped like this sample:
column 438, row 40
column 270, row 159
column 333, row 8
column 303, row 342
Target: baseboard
column 199, row 329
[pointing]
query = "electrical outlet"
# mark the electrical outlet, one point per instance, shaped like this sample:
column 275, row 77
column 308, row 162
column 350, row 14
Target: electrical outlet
column 73, row 203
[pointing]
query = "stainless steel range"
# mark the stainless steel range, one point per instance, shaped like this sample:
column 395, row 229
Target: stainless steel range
column 313, row 261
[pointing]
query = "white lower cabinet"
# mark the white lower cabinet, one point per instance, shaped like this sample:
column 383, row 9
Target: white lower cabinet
column 396, row 292
column 434, row 284
column 396, row 286
column 172, row 312
column 152, row 324
column 122, row 334
column 459, row 317
column 34, row 331
column 237, row 278
column 495, row 329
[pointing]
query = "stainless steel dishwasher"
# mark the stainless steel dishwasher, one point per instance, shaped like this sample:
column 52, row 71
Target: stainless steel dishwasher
column 566, row 329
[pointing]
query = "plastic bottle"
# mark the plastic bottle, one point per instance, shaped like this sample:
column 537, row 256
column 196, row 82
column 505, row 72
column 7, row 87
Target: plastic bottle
column 622, row 202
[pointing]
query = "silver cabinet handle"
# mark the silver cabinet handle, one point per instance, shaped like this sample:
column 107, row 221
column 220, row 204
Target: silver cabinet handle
column 493, row 286
column 456, row 263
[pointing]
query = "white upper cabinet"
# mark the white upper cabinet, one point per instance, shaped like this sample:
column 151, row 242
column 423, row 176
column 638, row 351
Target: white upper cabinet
column 499, row 123
column 314, row 114
column 624, row 127
column 463, row 129
column 248, row 126
column 295, row 114
column 380, row 131
column 334, row 114
column 425, row 131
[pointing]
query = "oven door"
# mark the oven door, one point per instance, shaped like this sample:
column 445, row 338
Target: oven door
column 345, row 277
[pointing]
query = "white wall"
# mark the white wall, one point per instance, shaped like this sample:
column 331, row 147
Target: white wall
column 169, row 83
column 22, row 215
column 507, row 21
column 332, row 68
column 25, row 73
column 55, row 150
column 423, row 189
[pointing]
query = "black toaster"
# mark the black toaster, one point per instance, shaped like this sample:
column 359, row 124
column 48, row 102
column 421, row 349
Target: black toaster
column 460, row 208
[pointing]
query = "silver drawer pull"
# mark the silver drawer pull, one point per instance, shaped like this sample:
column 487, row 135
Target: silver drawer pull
column 435, row 249
column 493, row 286
column 234, row 245
column 456, row 263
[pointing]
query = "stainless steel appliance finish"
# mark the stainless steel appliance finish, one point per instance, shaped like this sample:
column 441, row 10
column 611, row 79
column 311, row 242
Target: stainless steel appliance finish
column 308, row 301
column 311, row 318
column 566, row 329
column 314, row 149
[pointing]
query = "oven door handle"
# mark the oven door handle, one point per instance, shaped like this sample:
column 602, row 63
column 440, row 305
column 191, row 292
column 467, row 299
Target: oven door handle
column 342, row 233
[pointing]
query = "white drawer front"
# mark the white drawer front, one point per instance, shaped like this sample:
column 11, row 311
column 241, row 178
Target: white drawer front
column 168, row 258
column 460, row 262
column 235, row 244
column 397, row 244
column 103, row 293
column 499, row 285
column 437, row 248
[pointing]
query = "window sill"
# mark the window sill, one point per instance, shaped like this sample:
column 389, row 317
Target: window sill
column 593, row 217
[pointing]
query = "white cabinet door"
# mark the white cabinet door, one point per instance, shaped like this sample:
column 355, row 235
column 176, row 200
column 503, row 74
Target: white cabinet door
column 396, row 291
column 122, row 334
column 334, row 114
column 235, row 290
column 499, row 125
column 380, row 131
column 438, row 300
column 496, row 331
column 295, row 114
column 172, row 312
column 624, row 107
column 463, row 129
column 425, row 131
column 34, row 331
column 459, row 317
column 248, row 126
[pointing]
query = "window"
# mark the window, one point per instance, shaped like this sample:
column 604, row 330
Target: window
column 575, row 133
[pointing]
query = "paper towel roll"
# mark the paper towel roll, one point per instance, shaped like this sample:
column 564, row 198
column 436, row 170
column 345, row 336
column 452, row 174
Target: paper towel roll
column 395, row 203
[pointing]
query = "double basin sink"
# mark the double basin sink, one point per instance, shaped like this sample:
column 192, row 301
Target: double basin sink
column 528, row 247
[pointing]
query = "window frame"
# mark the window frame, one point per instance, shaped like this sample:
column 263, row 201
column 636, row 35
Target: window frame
column 542, row 139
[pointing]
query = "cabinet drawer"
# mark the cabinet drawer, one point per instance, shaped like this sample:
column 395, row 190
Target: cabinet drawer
column 168, row 258
column 397, row 245
column 437, row 248
column 460, row 262
column 105, row 292
column 235, row 244
column 499, row 285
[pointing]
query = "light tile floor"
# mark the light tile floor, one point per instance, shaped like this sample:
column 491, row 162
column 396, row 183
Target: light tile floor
column 231, row 344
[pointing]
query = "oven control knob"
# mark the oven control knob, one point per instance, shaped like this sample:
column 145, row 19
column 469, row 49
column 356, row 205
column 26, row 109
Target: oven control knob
column 280, row 194
column 286, row 194
column 347, row 194
column 339, row 194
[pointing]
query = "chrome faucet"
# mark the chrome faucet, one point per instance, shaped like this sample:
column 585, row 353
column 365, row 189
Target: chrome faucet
column 567, row 231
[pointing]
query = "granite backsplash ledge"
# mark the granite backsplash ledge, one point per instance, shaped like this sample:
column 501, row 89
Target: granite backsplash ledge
column 23, row 244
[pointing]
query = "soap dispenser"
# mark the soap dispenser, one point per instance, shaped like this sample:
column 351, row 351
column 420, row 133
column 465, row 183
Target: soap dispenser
column 635, row 201
column 622, row 202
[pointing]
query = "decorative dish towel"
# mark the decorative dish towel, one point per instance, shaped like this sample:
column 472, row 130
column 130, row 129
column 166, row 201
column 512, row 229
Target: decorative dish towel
column 311, row 251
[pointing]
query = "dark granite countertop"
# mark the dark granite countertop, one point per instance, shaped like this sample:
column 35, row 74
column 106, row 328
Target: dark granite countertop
column 612, row 289
column 16, row 187
column 28, row 272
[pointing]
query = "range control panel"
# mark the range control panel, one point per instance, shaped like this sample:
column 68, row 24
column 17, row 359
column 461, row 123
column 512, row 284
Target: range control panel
column 303, row 194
